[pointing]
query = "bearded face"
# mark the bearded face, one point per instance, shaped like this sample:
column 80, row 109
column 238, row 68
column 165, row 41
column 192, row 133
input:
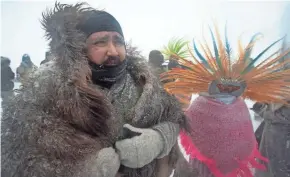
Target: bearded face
column 106, row 48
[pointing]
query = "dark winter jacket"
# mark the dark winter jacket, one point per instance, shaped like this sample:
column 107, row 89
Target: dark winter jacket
column 275, row 141
column 7, row 75
column 59, row 121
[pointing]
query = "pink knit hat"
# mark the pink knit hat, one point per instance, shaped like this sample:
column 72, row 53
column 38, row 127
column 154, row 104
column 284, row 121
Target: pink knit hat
column 222, row 137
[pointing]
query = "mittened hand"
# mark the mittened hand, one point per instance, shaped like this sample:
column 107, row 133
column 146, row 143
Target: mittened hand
column 108, row 163
column 139, row 150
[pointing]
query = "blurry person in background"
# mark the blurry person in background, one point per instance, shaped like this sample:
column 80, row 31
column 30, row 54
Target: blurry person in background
column 48, row 57
column 7, row 76
column 173, row 64
column 156, row 59
column 274, row 132
column 25, row 68
column 274, row 138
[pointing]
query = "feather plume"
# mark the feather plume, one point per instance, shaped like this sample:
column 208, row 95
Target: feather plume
column 265, row 82
column 176, row 46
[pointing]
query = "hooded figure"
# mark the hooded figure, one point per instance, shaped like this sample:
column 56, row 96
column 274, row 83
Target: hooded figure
column 275, row 139
column 92, row 111
column 25, row 68
column 7, row 76
column 156, row 59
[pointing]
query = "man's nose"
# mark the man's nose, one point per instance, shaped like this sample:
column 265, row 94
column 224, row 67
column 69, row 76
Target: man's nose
column 112, row 50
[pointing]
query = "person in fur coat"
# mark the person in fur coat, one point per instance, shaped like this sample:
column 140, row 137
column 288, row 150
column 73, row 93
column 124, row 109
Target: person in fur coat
column 92, row 111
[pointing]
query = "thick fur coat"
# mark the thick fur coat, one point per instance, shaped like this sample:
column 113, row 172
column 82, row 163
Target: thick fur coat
column 59, row 121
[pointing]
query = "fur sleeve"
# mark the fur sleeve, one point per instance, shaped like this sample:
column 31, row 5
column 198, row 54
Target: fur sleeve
column 172, row 110
column 35, row 143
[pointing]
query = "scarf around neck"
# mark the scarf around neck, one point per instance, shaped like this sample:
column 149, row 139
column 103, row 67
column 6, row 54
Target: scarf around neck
column 106, row 76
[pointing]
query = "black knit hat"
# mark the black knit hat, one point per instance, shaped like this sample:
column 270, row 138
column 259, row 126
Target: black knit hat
column 97, row 21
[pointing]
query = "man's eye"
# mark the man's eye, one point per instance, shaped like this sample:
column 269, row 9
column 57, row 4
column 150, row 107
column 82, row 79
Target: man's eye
column 120, row 42
column 100, row 43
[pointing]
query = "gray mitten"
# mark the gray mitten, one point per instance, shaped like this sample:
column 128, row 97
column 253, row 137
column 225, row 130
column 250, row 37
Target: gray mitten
column 108, row 163
column 169, row 132
column 153, row 143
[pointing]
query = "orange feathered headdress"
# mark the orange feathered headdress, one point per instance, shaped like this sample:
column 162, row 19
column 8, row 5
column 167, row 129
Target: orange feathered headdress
column 219, row 72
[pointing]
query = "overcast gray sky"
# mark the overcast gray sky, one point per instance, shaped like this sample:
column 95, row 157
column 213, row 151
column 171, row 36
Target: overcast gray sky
column 150, row 24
